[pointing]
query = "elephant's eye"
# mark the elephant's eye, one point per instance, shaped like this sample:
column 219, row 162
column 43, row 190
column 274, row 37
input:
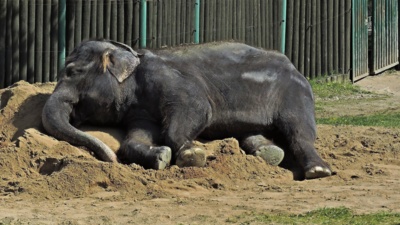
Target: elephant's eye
column 73, row 71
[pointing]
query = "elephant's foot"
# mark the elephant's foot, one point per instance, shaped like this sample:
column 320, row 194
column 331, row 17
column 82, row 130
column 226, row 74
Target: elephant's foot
column 191, row 157
column 318, row 172
column 162, row 157
column 271, row 154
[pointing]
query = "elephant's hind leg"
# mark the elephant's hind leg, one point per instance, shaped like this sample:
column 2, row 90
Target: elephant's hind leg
column 258, row 145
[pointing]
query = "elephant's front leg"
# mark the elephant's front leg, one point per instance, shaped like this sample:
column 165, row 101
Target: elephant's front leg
column 141, row 146
column 182, row 127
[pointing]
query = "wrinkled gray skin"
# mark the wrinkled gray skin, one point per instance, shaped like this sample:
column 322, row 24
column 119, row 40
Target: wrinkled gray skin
column 167, row 98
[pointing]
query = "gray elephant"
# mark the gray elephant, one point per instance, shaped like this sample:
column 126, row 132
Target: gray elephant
column 167, row 98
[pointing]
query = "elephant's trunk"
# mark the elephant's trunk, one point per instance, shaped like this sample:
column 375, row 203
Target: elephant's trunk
column 55, row 117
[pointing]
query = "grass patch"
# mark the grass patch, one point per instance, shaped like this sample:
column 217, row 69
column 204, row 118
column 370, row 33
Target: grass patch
column 335, row 90
column 381, row 120
column 343, row 96
column 321, row 216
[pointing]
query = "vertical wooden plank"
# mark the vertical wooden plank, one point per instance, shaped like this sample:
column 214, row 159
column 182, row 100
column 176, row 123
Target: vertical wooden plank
column 215, row 20
column 188, row 22
column 395, row 11
column 278, row 20
column 70, row 26
column 23, row 40
column 54, row 40
column 159, row 24
column 9, row 51
column 15, row 41
column 249, row 23
column 237, row 21
column 289, row 29
column 244, row 20
column 224, row 20
column 272, row 23
column 136, row 28
column 129, row 23
column 228, row 18
column 218, row 19
column 151, row 17
column 389, row 30
column 336, row 15
column 202, row 21
column 93, row 19
column 78, row 22
column 46, row 40
column 302, row 36
column 183, row 23
column 380, row 33
column 296, row 33
column 107, row 19
column 341, row 56
column 100, row 19
column 86, row 24
column 155, row 25
column 330, row 36
column 318, row 66
column 169, row 20
column 207, row 18
column 324, row 36
column 163, row 29
column 173, row 23
column 39, row 42
column 261, row 21
column 178, row 21
column 348, row 58
column 258, row 23
column 3, row 46
column 253, row 24
column 308, row 44
column 313, row 31
column 120, row 21
column 114, row 20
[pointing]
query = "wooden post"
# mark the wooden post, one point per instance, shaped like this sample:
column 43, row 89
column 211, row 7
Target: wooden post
column 23, row 43
column 46, row 40
column 3, row 16
column 15, row 41
column 39, row 43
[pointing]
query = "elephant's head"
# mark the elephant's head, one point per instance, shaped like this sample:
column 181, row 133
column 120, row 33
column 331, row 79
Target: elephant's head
column 90, row 88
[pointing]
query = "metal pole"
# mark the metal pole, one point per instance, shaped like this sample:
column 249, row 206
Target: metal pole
column 197, row 22
column 61, row 33
column 143, row 23
column 283, row 27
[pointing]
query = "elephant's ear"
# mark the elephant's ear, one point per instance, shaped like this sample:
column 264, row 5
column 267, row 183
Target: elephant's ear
column 121, row 64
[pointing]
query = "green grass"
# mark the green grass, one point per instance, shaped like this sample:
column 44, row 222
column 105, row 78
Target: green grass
column 335, row 90
column 344, row 94
column 321, row 216
column 381, row 120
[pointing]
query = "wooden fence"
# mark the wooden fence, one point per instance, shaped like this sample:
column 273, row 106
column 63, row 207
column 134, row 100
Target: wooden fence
column 315, row 35
column 318, row 37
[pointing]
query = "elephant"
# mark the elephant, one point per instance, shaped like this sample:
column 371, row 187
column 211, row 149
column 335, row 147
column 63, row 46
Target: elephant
column 167, row 98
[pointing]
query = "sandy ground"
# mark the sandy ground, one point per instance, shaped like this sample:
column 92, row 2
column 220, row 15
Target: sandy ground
column 45, row 181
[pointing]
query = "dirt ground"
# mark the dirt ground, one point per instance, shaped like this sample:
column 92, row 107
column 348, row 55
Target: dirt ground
column 45, row 181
